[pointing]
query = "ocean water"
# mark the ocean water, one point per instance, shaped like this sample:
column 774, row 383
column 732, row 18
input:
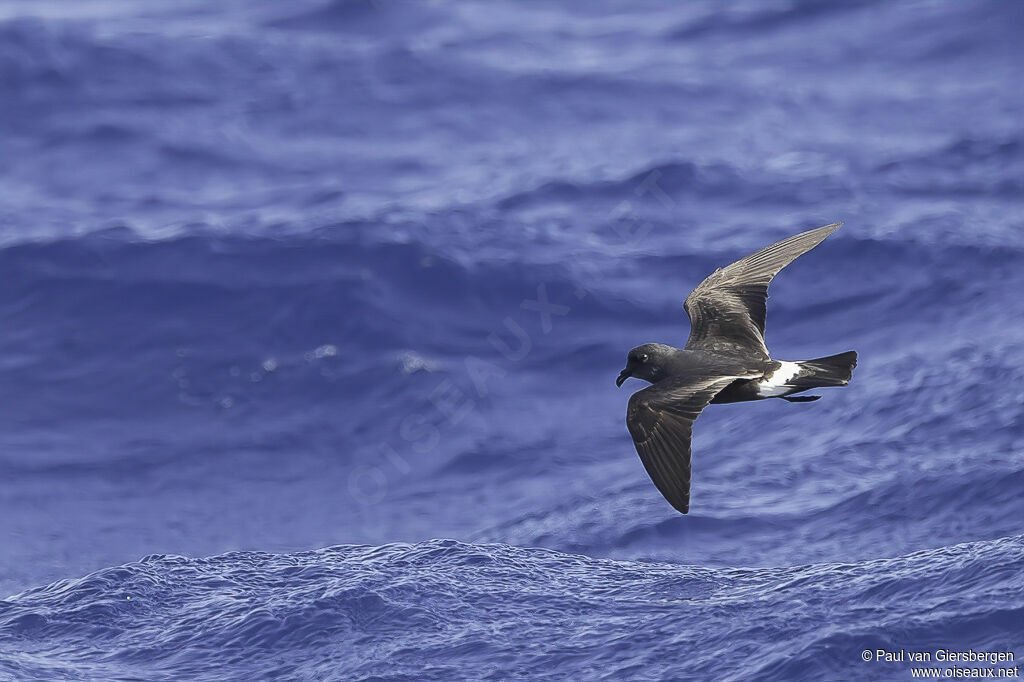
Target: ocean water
column 310, row 315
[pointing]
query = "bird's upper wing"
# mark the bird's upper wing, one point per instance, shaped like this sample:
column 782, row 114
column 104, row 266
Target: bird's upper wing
column 660, row 419
column 727, row 310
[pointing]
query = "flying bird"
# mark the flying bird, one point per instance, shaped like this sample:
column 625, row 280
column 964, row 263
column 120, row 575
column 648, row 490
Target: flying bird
column 725, row 360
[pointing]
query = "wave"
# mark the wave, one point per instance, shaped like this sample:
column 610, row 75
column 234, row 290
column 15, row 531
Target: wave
column 443, row 609
column 257, row 321
column 358, row 16
column 756, row 19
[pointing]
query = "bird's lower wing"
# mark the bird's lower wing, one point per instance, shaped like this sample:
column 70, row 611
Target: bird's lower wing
column 727, row 310
column 660, row 420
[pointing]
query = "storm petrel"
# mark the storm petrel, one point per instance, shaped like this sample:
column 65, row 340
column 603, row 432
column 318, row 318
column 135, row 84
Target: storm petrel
column 725, row 360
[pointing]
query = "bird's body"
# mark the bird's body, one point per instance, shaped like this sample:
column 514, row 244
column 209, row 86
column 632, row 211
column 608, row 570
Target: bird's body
column 725, row 361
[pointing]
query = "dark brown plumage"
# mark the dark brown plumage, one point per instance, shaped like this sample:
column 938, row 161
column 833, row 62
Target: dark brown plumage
column 724, row 360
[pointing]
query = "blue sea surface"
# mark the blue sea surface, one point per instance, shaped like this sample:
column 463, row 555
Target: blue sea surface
column 310, row 315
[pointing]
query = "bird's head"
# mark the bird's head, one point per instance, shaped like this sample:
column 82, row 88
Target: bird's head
column 646, row 362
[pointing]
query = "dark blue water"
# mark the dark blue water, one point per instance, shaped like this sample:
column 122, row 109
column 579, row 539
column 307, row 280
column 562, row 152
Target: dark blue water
column 277, row 401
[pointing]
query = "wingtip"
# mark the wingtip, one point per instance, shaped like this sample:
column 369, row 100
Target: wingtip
column 820, row 234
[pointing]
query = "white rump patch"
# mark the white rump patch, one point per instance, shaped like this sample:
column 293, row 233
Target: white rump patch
column 777, row 383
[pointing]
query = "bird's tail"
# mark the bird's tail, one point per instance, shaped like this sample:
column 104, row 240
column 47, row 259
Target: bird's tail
column 834, row 370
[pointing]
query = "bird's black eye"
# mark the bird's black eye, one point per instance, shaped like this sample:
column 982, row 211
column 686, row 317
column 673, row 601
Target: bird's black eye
column 643, row 357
